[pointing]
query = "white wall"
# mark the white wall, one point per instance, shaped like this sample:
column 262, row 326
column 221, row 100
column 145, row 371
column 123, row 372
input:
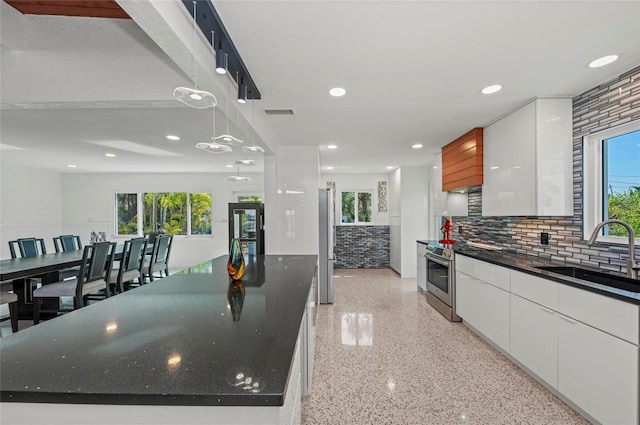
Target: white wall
column 414, row 208
column 88, row 203
column 409, row 208
column 395, row 242
column 361, row 183
column 30, row 205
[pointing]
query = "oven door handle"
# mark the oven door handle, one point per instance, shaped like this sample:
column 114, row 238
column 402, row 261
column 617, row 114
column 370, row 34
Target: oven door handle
column 437, row 260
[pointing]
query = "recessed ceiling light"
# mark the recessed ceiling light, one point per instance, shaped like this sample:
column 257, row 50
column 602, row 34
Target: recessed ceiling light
column 389, row 167
column 110, row 155
column 605, row 60
column 435, row 167
column 229, row 166
column 329, row 167
column 72, row 166
column 491, row 89
column 172, row 137
column 337, row 91
column 417, row 146
column 332, row 147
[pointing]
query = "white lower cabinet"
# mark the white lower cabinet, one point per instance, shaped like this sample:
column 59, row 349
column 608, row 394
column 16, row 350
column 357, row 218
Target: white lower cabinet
column 467, row 298
column 581, row 343
column 534, row 338
column 493, row 314
column 598, row 372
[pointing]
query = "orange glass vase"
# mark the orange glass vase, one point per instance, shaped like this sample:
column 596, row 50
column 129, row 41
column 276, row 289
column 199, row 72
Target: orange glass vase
column 235, row 264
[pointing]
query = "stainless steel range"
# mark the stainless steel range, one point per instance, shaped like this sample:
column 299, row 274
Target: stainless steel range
column 441, row 279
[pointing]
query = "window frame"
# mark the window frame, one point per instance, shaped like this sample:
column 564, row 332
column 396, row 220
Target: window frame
column 356, row 208
column 140, row 211
column 593, row 168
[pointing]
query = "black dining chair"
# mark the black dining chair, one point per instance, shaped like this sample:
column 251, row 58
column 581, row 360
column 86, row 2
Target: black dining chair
column 12, row 300
column 158, row 261
column 130, row 266
column 91, row 282
column 27, row 247
column 64, row 243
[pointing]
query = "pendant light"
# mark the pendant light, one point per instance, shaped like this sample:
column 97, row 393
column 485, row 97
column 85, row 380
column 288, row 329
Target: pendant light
column 193, row 97
column 238, row 178
column 246, row 162
column 253, row 149
column 228, row 138
column 213, row 147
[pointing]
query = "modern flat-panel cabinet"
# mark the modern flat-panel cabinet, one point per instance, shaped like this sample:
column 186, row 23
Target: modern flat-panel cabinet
column 485, row 298
column 534, row 324
column 467, row 298
column 528, row 161
column 493, row 314
column 583, row 344
column 421, row 265
column 598, row 372
column 534, row 338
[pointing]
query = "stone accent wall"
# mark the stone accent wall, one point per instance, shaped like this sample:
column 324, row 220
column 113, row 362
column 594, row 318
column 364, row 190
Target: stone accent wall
column 362, row 247
column 605, row 106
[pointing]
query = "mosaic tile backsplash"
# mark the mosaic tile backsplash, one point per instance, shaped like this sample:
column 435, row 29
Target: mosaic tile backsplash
column 362, row 247
column 605, row 106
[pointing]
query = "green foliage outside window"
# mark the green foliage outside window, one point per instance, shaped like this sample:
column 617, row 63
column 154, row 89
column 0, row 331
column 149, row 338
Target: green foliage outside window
column 127, row 211
column 356, row 204
column 175, row 212
column 165, row 210
column 200, row 213
column 364, row 207
column 621, row 175
column 348, row 207
column 625, row 206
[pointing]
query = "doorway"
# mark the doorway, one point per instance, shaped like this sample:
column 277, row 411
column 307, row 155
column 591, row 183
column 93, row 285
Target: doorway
column 246, row 223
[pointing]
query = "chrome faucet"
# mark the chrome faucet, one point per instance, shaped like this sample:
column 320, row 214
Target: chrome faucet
column 632, row 265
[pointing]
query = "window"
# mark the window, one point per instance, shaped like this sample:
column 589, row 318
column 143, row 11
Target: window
column 179, row 213
column 356, row 207
column 127, row 213
column 612, row 181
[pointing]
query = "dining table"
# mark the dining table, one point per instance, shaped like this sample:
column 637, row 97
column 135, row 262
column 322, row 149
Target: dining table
column 19, row 273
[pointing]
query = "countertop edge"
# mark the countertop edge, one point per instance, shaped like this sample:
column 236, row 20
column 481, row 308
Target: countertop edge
column 607, row 291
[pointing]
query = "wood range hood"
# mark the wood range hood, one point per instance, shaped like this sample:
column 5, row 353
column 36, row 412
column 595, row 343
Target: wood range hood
column 462, row 161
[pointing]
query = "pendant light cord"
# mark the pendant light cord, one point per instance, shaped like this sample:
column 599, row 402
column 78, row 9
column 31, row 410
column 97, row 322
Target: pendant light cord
column 193, row 45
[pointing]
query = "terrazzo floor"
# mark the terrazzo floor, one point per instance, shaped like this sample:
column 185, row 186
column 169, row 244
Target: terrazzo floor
column 384, row 356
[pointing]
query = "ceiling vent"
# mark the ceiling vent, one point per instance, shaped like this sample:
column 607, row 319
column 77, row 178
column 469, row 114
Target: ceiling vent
column 278, row 111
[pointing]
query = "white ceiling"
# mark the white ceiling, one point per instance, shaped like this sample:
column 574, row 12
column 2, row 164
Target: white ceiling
column 412, row 70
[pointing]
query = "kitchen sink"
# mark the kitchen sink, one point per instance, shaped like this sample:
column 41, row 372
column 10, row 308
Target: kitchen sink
column 606, row 279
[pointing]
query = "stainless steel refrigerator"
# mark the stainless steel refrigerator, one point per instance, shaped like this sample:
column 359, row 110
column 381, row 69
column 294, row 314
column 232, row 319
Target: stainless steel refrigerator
column 326, row 256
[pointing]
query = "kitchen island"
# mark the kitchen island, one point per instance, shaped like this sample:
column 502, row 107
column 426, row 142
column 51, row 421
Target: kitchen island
column 190, row 348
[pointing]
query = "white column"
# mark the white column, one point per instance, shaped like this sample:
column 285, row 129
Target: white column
column 292, row 180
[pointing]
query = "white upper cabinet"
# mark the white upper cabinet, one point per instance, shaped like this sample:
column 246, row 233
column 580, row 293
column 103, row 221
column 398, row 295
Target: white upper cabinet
column 528, row 160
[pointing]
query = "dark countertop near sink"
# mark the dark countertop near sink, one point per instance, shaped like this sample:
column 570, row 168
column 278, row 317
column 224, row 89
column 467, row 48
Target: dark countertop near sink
column 528, row 264
column 169, row 342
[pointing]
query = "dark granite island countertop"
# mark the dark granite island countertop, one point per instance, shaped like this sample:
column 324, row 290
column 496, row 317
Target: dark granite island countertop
column 172, row 342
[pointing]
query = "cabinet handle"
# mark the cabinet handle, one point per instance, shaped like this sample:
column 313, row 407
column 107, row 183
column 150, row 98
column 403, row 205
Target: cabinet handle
column 569, row 320
column 547, row 310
